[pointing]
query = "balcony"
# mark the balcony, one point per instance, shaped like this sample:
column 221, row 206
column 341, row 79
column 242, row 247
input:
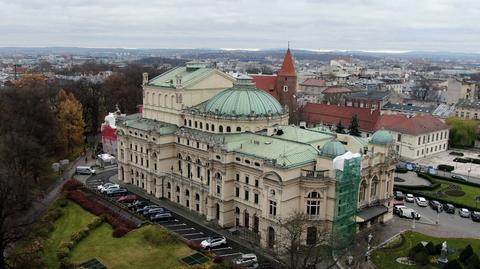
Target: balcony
column 315, row 174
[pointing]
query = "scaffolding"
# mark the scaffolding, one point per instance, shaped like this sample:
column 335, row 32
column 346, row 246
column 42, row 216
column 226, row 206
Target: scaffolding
column 347, row 183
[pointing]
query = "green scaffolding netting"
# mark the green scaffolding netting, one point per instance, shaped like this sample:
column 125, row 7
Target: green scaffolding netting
column 344, row 225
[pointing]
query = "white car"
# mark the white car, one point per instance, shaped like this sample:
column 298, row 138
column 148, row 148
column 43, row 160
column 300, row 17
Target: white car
column 408, row 213
column 464, row 213
column 212, row 242
column 248, row 260
column 409, row 198
column 106, row 185
column 110, row 188
column 421, row 201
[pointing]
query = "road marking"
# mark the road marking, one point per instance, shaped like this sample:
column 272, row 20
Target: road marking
column 201, row 238
column 175, row 225
column 186, row 229
column 231, row 254
column 220, row 249
column 199, row 233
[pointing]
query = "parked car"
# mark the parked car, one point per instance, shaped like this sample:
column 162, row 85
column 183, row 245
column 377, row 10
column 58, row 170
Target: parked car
column 475, row 216
column 85, row 170
column 146, row 208
column 161, row 216
column 137, row 204
column 128, row 198
column 117, row 192
column 153, row 211
column 409, row 198
column 421, row 201
column 408, row 213
column 106, row 185
column 396, row 209
column 212, row 242
column 399, row 195
column 459, row 177
column 464, row 213
column 248, row 260
column 435, row 205
column 449, row 208
column 109, row 188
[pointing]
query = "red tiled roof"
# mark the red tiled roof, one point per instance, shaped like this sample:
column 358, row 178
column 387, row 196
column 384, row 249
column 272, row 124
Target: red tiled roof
column 337, row 90
column 414, row 125
column 314, row 82
column 332, row 114
column 288, row 68
column 266, row 83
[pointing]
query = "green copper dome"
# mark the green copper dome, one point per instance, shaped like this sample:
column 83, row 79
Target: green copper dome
column 382, row 137
column 333, row 149
column 244, row 100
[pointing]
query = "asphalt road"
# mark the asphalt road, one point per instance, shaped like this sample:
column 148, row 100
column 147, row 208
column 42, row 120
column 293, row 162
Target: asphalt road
column 450, row 222
column 184, row 227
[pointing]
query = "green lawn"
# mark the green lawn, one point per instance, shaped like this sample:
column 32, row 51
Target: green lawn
column 385, row 258
column 74, row 218
column 468, row 199
column 130, row 251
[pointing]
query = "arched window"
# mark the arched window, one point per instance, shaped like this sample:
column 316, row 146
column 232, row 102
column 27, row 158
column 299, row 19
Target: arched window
column 197, row 197
column 237, row 210
column 172, row 98
column 190, row 123
column 159, row 99
column 220, row 129
column 206, row 126
column 198, row 171
column 165, row 101
column 187, row 193
column 213, row 128
column 218, row 176
column 185, row 122
column 362, row 192
column 178, row 189
column 374, row 187
column 229, row 129
column 153, row 99
column 147, row 98
column 201, row 125
column 313, row 204
column 169, row 185
column 239, row 129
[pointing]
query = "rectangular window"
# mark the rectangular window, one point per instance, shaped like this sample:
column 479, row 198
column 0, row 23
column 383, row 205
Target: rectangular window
column 246, row 179
column 218, row 189
column 419, row 140
column 246, row 195
column 272, row 208
column 423, row 139
column 436, row 137
column 237, row 177
column 256, row 183
column 255, row 198
column 399, row 138
column 237, row 192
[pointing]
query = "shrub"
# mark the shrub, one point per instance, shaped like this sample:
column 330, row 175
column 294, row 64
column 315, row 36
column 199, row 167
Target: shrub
column 456, row 153
column 446, row 167
column 453, row 264
column 54, row 214
column 65, row 263
column 401, row 170
column 194, row 245
column 461, row 160
column 415, row 250
column 438, row 249
column 120, row 231
column 62, row 253
column 465, row 254
column 43, row 228
column 158, row 237
column 421, row 258
column 473, row 262
column 71, row 184
column 96, row 222
column 430, row 248
column 68, row 245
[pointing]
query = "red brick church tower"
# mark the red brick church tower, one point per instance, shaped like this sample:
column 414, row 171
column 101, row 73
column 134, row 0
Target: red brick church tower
column 286, row 86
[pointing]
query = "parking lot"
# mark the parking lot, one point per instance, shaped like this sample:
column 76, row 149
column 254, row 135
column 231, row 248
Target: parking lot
column 184, row 227
column 464, row 227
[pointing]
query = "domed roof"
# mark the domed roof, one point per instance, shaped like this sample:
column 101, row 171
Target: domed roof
column 333, row 149
column 382, row 137
column 244, row 100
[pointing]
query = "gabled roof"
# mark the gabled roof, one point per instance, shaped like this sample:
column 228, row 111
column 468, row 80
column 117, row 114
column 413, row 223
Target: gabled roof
column 410, row 125
column 313, row 82
column 332, row 114
column 288, row 67
column 336, row 89
column 266, row 83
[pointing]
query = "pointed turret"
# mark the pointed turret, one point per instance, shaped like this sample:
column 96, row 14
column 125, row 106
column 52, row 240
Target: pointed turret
column 288, row 67
column 286, row 86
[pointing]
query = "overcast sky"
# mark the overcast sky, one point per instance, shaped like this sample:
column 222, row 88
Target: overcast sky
column 433, row 25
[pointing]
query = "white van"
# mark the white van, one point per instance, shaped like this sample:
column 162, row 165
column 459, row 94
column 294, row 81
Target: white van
column 85, row 170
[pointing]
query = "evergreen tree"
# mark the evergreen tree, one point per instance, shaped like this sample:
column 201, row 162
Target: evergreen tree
column 353, row 128
column 339, row 128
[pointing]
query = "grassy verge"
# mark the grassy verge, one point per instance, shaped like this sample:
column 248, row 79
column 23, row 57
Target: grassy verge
column 74, row 218
column 385, row 258
column 468, row 199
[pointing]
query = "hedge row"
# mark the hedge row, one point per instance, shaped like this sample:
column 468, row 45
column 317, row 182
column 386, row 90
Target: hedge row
column 446, row 167
column 456, row 153
column 453, row 180
column 401, row 170
column 121, row 225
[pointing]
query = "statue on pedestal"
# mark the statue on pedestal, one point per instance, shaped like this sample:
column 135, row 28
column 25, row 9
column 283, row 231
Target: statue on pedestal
column 444, row 252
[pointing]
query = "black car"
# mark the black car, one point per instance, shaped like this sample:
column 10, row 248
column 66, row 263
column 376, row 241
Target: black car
column 399, row 195
column 475, row 216
column 435, row 205
column 154, row 211
column 449, row 208
column 137, row 204
column 145, row 208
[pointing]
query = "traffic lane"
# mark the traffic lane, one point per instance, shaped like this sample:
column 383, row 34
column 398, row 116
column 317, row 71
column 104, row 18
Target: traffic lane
column 450, row 221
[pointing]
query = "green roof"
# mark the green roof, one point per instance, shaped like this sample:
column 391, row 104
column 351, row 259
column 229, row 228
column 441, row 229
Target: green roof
column 297, row 134
column 194, row 71
column 144, row 124
column 242, row 100
column 382, row 137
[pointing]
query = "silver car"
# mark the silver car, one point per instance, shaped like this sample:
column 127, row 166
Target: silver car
column 464, row 213
column 421, row 201
column 248, row 260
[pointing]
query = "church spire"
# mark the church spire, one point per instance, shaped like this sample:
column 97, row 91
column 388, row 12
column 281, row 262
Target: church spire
column 288, row 67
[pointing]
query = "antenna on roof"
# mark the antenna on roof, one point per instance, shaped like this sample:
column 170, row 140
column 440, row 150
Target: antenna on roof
column 288, row 44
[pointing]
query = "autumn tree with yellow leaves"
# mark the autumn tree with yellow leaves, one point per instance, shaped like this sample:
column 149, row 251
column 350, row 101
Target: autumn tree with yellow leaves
column 71, row 126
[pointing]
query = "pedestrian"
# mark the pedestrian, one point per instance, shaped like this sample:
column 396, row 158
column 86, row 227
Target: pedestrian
column 86, row 158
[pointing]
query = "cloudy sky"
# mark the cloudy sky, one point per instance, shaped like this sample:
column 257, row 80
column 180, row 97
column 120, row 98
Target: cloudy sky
column 394, row 25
